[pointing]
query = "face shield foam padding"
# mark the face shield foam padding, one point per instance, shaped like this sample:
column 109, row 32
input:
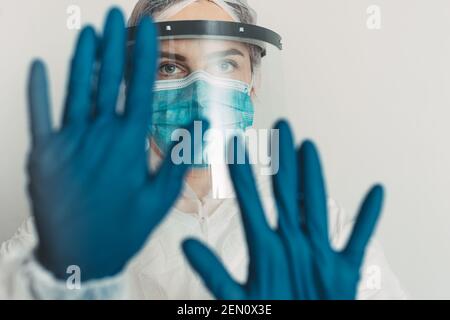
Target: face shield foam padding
column 229, row 6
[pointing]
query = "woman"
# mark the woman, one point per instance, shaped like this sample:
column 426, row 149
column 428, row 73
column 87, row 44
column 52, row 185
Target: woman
column 161, row 271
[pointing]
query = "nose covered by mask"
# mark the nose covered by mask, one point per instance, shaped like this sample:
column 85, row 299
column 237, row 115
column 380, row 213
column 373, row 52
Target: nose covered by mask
column 225, row 103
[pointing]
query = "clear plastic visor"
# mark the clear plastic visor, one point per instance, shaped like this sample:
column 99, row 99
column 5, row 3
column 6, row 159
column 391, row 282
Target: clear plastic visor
column 220, row 80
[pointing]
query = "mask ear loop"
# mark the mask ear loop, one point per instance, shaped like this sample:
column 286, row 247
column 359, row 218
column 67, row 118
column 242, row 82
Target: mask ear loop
column 252, row 84
column 255, row 82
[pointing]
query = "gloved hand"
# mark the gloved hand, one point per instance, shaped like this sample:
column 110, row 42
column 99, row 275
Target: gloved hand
column 93, row 197
column 295, row 261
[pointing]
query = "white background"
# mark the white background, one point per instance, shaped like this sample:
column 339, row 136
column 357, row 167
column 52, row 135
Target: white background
column 377, row 102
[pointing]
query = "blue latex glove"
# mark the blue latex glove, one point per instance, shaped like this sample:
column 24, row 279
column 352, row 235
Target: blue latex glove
column 295, row 261
column 93, row 197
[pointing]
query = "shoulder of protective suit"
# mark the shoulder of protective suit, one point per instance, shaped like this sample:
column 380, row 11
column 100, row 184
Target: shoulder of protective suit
column 24, row 240
column 22, row 278
column 12, row 285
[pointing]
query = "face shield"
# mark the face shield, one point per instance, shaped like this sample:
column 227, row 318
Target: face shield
column 226, row 73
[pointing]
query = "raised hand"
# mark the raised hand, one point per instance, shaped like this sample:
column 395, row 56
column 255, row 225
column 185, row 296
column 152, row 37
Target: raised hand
column 93, row 197
column 296, row 261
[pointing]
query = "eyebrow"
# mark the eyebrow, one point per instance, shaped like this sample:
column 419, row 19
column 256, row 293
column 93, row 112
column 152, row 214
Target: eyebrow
column 215, row 55
column 172, row 56
column 226, row 53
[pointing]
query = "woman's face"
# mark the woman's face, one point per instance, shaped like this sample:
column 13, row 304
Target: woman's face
column 227, row 59
column 224, row 59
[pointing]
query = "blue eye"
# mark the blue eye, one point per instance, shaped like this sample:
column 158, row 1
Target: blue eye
column 169, row 69
column 226, row 66
column 223, row 67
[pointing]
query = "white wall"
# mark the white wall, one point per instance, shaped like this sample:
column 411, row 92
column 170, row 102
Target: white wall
column 376, row 102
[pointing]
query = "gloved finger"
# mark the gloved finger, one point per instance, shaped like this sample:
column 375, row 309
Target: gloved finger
column 365, row 224
column 285, row 183
column 39, row 104
column 138, row 109
column 212, row 271
column 312, row 188
column 253, row 217
column 112, row 57
column 78, row 100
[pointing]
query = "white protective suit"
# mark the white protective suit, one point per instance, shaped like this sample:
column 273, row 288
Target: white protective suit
column 22, row 278
column 160, row 270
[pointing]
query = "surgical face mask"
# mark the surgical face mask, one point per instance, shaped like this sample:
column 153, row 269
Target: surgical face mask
column 225, row 103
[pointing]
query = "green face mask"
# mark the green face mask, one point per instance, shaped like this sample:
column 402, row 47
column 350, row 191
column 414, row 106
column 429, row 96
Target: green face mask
column 225, row 103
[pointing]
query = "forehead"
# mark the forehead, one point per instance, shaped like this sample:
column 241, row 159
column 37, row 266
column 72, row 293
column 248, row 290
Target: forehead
column 202, row 47
column 202, row 10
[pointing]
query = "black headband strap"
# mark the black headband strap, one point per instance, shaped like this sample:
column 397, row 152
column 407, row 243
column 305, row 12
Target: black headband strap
column 242, row 32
